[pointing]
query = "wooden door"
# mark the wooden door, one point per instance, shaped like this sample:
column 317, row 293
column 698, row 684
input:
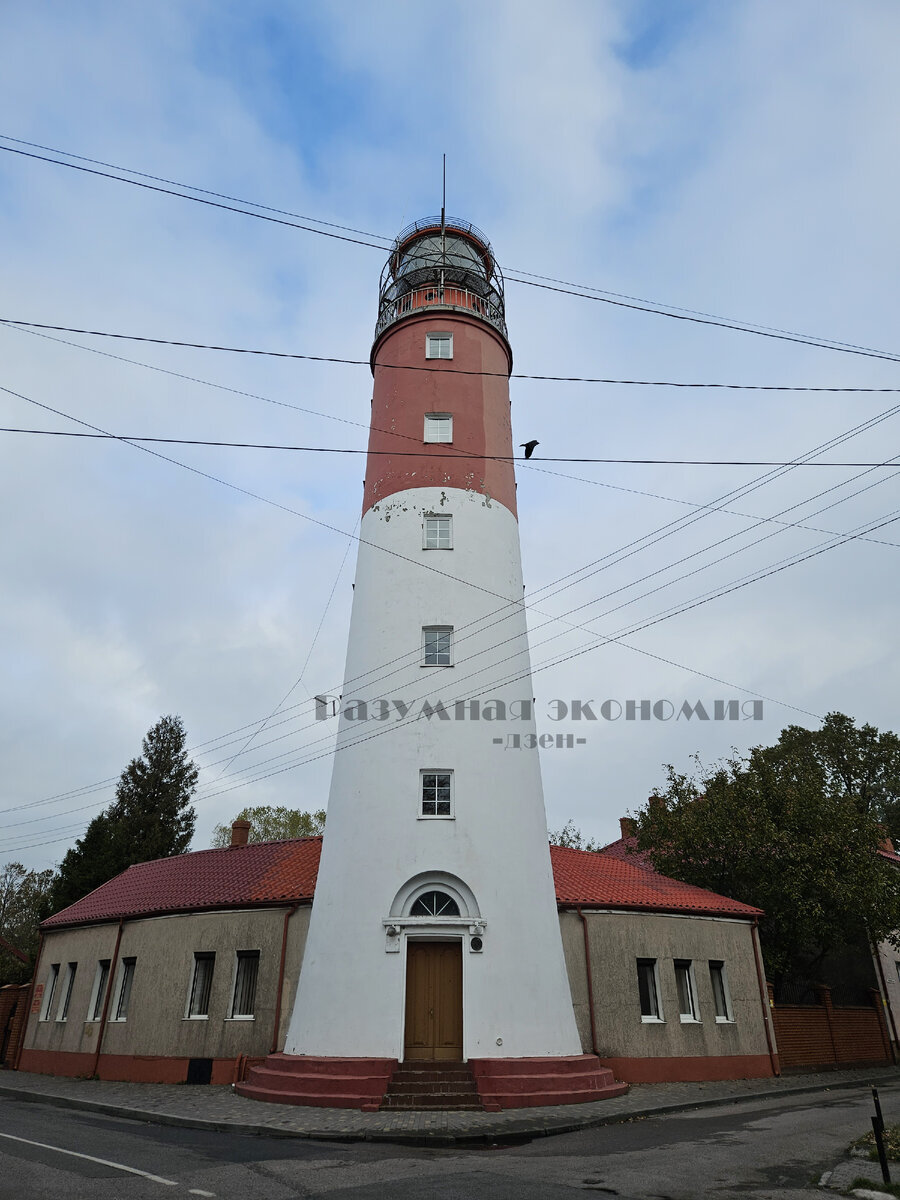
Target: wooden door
column 433, row 1001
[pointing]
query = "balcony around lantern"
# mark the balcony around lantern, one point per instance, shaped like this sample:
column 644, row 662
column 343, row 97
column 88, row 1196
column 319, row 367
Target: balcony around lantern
column 454, row 270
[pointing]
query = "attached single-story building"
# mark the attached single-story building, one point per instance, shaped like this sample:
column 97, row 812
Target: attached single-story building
column 186, row 968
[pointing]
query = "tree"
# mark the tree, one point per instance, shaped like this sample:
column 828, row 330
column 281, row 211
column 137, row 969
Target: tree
column 269, row 824
column 150, row 817
column 570, row 836
column 793, row 829
column 23, row 905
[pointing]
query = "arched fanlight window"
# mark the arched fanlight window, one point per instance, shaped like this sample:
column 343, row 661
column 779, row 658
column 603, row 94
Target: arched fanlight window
column 434, row 904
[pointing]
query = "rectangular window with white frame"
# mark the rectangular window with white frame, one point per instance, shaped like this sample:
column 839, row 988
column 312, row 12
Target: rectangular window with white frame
column 50, row 991
column 648, row 990
column 436, row 794
column 438, row 345
column 123, row 990
column 243, row 1000
column 437, row 646
column 721, row 996
column 65, row 995
column 201, row 986
column 98, row 991
column 439, row 427
column 437, row 532
column 687, row 991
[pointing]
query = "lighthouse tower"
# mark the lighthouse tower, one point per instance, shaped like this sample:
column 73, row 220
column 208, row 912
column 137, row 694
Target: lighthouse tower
column 434, row 932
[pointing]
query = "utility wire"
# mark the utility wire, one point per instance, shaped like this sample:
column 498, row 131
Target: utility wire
column 364, row 362
column 819, row 449
column 677, row 314
column 432, row 452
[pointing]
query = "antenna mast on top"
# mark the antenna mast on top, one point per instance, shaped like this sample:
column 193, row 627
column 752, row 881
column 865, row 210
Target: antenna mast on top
column 443, row 224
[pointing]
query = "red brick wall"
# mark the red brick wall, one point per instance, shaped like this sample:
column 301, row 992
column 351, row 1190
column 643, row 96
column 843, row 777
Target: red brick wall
column 13, row 1000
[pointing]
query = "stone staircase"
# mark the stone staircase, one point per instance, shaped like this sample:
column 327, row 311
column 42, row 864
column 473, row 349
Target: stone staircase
column 432, row 1086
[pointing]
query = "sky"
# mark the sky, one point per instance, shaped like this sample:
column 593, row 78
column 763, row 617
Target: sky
column 737, row 159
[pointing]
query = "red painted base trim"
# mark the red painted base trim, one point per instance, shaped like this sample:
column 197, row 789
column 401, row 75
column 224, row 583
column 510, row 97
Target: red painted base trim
column 127, row 1068
column 319, row 1081
column 528, row 1082
column 693, row 1069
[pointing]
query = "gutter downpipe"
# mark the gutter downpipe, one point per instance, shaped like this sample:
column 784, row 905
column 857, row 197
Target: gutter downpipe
column 287, row 916
column 590, row 981
column 37, row 963
column 885, row 999
column 113, row 969
column 764, row 998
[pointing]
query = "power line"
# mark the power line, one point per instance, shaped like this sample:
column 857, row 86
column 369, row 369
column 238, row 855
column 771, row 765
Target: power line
column 674, row 313
column 431, row 452
column 527, row 464
column 447, row 370
column 155, row 187
column 706, row 509
column 98, row 162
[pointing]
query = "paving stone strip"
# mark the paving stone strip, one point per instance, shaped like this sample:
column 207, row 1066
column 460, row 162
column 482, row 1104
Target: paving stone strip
column 218, row 1108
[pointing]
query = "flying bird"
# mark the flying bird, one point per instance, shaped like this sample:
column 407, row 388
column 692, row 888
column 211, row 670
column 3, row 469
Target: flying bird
column 529, row 447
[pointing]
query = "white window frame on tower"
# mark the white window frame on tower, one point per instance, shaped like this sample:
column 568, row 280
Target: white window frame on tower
column 718, row 979
column 437, row 645
column 439, row 429
column 432, row 539
column 651, row 1002
column 439, row 345
column 424, row 775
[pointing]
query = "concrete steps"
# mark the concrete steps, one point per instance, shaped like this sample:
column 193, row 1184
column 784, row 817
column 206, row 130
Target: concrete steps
column 319, row 1082
column 428, row 1086
column 530, row 1082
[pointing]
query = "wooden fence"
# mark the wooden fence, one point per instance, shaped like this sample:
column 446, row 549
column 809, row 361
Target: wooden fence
column 821, row 1035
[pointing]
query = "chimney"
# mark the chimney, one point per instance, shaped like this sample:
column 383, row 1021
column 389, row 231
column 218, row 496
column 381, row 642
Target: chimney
column 626, row 825
column 240, row 832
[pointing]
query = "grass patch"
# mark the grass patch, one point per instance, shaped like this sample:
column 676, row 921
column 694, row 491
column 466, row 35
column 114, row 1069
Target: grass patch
column 891, row 1144
column 890, row 1189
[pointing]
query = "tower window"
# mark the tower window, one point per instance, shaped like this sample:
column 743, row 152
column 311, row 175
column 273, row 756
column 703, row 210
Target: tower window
column 438, row 532
column 436, row 645
column 438, row 427
column 436, row 794
column 66, row 997
column 721, row 997
column 434, row 904
column 438, row 345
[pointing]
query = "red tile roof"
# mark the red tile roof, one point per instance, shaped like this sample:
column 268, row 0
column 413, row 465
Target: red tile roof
column 267, row 873
column 611, row 880
column 237, row 877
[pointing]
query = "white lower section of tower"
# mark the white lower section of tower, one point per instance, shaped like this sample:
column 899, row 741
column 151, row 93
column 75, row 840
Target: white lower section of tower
column 380, row 853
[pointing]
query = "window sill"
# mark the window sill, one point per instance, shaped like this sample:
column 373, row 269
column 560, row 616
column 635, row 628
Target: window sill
column 689, row 1020
column 437, row 666
column 249, row 1017
column 724, row 1020
column 651, row 1020
column 196, row 1017
column 117, row 1020
column 435, row 817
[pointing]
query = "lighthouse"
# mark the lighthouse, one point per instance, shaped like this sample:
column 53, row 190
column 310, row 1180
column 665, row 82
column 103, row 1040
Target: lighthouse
column 434, row 935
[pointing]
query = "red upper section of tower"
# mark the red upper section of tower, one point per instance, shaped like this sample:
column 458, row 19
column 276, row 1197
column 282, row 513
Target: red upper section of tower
column 441, row 281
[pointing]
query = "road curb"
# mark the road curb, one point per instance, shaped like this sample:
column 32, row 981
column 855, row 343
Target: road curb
column 524, row 1130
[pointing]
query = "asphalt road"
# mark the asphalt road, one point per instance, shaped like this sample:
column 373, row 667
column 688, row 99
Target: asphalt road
column 753, row 1149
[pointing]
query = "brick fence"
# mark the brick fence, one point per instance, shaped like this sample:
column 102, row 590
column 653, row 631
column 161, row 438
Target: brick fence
column 820, row 1035
column 13, row 999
